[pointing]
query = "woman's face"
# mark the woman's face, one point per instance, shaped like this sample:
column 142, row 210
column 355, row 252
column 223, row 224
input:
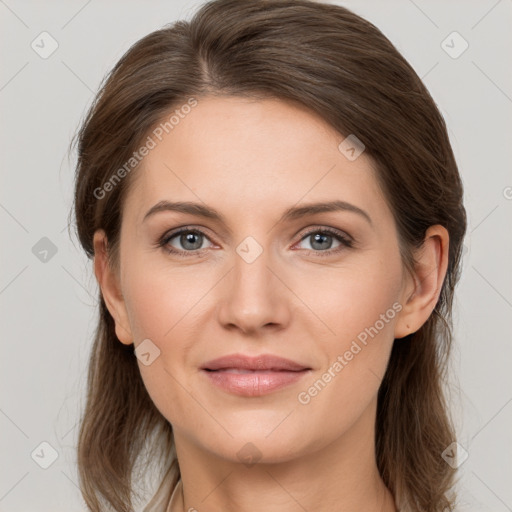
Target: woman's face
column 263, row 276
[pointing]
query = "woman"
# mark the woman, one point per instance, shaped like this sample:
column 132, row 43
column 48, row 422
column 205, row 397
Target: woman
column 276, row 220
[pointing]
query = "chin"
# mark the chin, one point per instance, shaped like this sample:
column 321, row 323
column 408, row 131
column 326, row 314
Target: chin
column 259, row 441
column 249, row 452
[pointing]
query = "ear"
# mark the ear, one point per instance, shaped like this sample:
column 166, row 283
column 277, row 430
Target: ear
column 422, row 291
column 109, row 283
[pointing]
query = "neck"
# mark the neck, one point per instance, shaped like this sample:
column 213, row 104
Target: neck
column 340, row 476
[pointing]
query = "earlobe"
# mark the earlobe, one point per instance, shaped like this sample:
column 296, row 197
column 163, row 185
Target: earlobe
column 109, row 283
column 429, row 274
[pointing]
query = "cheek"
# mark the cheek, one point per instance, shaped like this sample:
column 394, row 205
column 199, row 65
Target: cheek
column 356, row 299
column 160, row 302
column 360, row 307
column 165, row 307
column 159, row 311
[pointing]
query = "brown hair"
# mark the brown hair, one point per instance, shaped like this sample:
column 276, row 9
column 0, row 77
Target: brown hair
column 344, row 69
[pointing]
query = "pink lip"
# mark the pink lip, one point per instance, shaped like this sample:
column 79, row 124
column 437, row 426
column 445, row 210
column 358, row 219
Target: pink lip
column 253, row 376
column 261, row 362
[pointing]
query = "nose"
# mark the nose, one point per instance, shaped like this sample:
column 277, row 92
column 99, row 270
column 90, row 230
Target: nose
column 253, row 298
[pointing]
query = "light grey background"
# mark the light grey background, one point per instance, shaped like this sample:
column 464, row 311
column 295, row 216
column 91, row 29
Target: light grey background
column 48, row 307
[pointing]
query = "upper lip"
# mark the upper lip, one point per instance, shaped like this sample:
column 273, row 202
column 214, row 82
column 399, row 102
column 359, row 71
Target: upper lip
column 260, row 362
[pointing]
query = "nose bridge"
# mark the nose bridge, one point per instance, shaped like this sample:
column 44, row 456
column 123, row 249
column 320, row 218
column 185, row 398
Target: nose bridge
column 251, row 276
column 251, row 263
column 252, row 297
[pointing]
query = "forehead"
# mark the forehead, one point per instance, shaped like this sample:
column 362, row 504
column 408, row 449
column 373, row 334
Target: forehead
column 251, row 154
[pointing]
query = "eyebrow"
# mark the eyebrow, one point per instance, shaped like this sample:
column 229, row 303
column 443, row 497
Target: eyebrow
column 292, row 213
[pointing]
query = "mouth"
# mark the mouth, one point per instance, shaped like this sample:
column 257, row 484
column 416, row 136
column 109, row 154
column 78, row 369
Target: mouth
column 253, row 376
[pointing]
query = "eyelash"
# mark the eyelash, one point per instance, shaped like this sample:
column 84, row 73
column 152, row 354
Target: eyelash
column 163, row 242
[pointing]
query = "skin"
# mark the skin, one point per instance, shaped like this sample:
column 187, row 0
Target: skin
column 251, row 160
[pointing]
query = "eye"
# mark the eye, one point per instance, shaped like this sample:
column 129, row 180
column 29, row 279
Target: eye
column 321, row 241
column 188, row 241
column 183, row 241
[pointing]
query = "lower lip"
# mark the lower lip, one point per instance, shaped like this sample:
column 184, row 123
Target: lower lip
column 254, row 383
